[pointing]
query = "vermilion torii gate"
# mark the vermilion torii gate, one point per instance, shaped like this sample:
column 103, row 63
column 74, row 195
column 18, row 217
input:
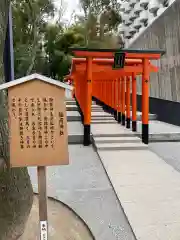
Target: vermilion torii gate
column 94, row 75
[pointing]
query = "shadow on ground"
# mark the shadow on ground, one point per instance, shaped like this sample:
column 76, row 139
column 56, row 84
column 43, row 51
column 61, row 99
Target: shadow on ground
column 64, row 224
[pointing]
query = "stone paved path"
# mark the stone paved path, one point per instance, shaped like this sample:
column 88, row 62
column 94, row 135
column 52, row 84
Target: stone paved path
column 147, row 187
column 84, row 186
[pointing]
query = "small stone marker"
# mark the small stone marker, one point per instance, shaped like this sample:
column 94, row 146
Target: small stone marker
column 38, row 130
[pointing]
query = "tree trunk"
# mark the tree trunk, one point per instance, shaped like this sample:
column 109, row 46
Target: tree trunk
column 15, row 202
column 16, row 193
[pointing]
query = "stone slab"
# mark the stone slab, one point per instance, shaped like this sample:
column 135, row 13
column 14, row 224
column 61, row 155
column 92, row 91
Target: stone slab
column 71, row 108
column 116, row 139
column 104, row 121
column 160, row 127
column 151, row 116
column 160, row 131
column 111, row 130
column 73, row 116
column 139, row 115
column 101, row 114
column 96, row 110
column 83, row 185
column 102, row 118
column 70, row 102
column 75, row 132
column 120, row 146
column 149, row 191
column 169, row 151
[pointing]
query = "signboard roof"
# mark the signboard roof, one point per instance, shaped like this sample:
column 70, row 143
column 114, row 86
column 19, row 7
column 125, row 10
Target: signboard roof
column 33, row 77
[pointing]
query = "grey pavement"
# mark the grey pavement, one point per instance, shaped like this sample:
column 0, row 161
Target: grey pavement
column 161, row 131
column 145, row 181
column 84, row 186
column 139, row 116
column 75, row 132
column 73, row 116
column 149, row 191
column 147, row 187
column 160, row 127
column 142, row 185
column 169, row 151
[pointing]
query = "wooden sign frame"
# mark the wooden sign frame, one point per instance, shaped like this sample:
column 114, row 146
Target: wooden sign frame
column 38, row 130
column 37, row 121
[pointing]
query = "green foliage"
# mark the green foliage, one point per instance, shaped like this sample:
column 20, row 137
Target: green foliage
column 28, row 24
column 102, row 19
column 43, row 47
column 56, row 44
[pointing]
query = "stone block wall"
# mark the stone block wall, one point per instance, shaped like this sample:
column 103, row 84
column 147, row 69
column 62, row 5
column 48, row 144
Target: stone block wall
column 164, row 33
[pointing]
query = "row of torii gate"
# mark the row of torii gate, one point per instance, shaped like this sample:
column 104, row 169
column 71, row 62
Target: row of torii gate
column 109, row 76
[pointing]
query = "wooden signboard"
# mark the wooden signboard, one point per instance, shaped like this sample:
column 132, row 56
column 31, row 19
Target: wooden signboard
column 38, row 130
column 38, row 124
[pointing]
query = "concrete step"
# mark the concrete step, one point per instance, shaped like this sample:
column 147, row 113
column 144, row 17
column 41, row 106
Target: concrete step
column 71, row 107
column 99, row 121
column 72, row 102
column 151, row 116
column 75, row 133
column 116, row 139
column 118, row 134
column 73, row 116
column 97, row 110
column 153, row 137
column 121, row 146
column 101, row 116
column 103, row 119
column 96, row 106
column 139, row 116
column 164, row 137
column 75, row 108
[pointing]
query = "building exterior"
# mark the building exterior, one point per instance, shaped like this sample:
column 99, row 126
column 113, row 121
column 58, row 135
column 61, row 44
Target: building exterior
column 155, row 24
column 138, row 15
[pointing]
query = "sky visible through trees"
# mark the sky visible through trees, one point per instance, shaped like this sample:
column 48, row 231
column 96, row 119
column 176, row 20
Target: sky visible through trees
column 45, row 29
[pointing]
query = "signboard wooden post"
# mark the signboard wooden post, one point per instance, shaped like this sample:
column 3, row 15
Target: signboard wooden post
column 38, row 130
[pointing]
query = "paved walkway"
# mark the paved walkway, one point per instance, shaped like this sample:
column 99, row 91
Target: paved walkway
column 84, row 186
column 147, row 187
column 169, row 151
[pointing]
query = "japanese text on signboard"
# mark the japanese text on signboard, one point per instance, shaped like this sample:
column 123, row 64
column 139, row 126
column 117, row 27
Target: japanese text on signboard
column 37, row 122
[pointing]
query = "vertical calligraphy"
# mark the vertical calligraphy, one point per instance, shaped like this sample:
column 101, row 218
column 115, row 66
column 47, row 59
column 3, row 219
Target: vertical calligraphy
column 21, row 127
column 37, row 121
column 51, row 104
